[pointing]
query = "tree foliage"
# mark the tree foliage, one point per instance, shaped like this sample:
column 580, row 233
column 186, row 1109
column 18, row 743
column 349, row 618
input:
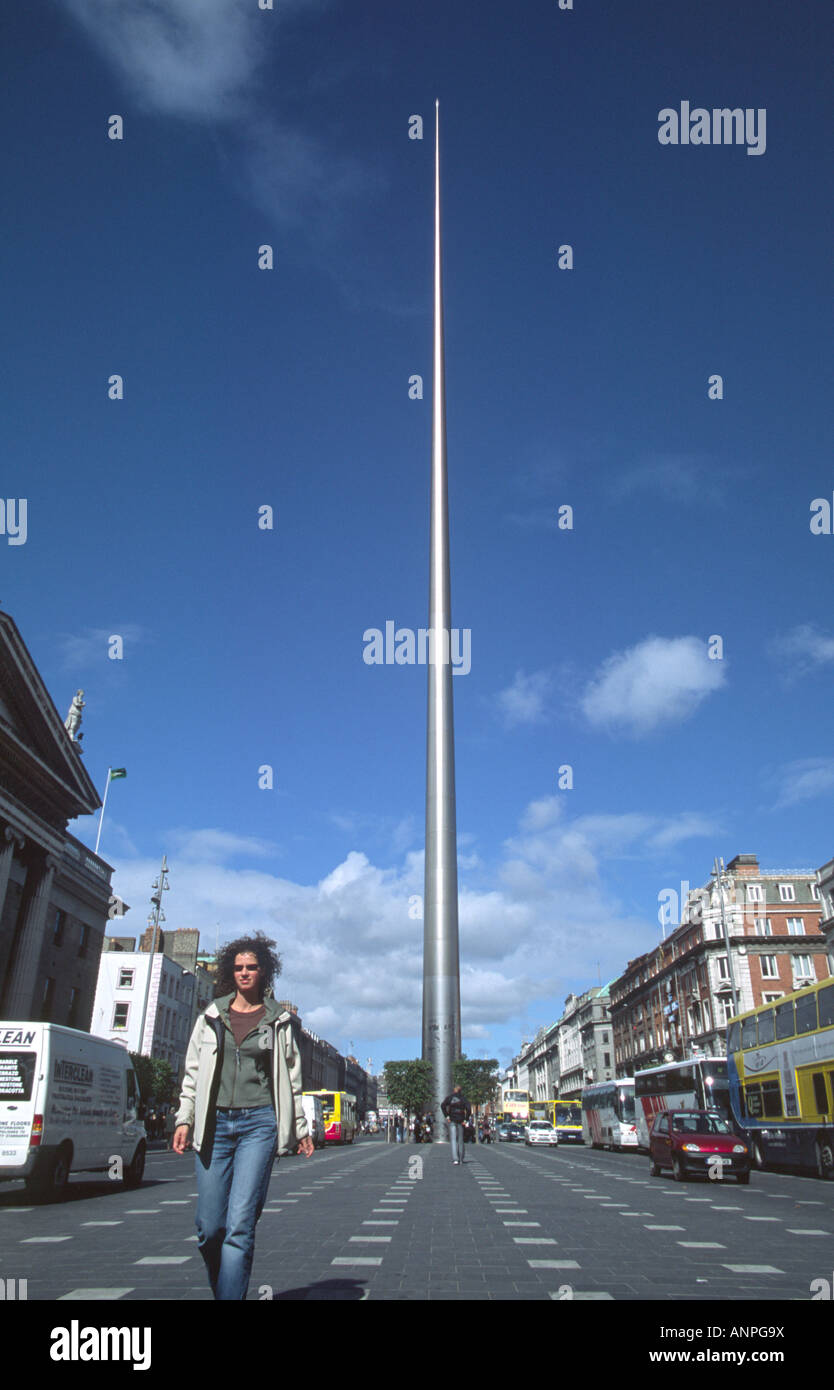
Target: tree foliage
column 156, row 1079
column 410, row 1085
column 477, row 1078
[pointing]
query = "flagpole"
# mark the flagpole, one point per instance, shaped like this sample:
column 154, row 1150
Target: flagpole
column 103, row 804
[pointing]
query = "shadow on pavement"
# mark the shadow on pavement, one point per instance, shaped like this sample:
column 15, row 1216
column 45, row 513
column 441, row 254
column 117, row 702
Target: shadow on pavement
column 328, row 1290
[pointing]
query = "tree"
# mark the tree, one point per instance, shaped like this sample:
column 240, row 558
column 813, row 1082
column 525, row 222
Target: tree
column 409, row 1085
column 156, row 1078
column 477, row 1078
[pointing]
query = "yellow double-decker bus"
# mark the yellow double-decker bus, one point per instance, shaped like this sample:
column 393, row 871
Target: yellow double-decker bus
column 780, row 1060
column 339, row 1115
column 515, row 1106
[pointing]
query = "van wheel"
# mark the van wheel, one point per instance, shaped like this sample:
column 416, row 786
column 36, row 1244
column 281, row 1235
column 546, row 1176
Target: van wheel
column 134, row 1172
column 50, row 1183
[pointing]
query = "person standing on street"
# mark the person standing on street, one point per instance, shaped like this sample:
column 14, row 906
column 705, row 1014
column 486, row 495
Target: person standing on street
column 457, row 1110
column 241, row 1096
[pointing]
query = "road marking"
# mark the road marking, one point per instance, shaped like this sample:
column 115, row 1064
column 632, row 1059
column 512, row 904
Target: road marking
column 593, row 1296
column 357, row 1260
column 44, row 1240
column 81, row 1295
column 800, row 1231
column 175, row 1202
column 380, row 1223
column 754, row 1269
column 143, row 1211
column 370, row 1240
column 762, row 1218
column 553, row 1264
column 163, row 1260
column 664, row 1228
column 522, row 1223
column 716, row 1208
column 102, row 1223
column 534, row 1240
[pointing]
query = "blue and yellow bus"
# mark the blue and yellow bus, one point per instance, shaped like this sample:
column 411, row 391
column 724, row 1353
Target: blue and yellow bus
column 781, row 1074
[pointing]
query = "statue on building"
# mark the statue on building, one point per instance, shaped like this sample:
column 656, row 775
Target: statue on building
column 73, row 719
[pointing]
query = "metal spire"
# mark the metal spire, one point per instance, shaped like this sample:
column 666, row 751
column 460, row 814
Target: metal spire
column 441, row 962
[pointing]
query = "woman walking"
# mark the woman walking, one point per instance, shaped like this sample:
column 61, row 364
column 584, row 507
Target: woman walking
column 241, row 1096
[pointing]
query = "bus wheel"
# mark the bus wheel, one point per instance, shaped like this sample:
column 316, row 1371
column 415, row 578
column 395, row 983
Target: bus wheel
column 825, row 1158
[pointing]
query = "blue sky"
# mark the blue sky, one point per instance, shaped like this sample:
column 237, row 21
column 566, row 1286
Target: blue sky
column 289, row 388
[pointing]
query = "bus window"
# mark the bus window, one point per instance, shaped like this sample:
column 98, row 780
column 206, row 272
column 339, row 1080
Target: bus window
column 826, row 1003
column 771, row 1099
column 748, row 1032
column 806, row 1014
column 766, row 1032
column 820, row 1093
column 784, row 1020
column 733, row 1037
column 753, row 1101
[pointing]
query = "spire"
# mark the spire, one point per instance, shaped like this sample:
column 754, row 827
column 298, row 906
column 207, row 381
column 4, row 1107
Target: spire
column 441, row 963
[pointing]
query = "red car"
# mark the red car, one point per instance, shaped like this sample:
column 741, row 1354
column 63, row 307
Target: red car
column 697, row 1141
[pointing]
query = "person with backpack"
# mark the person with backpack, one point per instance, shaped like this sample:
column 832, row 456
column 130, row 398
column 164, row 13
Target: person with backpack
column 457, row 1110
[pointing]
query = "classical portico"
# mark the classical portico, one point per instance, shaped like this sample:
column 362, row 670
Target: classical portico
column 54, row 893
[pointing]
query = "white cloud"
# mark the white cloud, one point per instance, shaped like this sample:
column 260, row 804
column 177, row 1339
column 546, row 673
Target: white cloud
column 523, row 702
column 352, row 953
column 659, row 681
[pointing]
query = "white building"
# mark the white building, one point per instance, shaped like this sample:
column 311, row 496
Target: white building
column 145, row 1001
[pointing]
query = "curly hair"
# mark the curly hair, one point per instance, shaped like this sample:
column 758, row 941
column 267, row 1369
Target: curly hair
column 259, row 946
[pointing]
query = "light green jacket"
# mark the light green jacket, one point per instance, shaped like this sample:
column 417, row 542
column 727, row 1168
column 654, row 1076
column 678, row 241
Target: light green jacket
column 203, row 1063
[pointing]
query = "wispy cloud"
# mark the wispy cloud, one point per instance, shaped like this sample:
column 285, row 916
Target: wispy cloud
column 659, row 681
column 81, row 650
column 803, row 780
column 525, row 701
column 801, row 651
column 682, row 478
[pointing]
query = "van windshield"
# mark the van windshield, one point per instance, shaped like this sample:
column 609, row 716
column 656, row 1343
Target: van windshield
column 17, row 1073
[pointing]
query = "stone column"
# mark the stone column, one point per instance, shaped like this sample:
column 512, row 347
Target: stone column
column 22, row 976
column 8, row 843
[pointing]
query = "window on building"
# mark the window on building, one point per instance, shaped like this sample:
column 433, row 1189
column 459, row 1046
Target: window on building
column 606, row 1059
column 705, row 1007
column 787, row 892
column 770, row 998
column 121, row 1013
column 85, row 940
column 58, row 926
column 815, row 891
column 754, row 893
column 74, row 1006
column 803, row 968
column 126, row 979
column 796, row 926
column 764, row 926
column 723, row 967
column 769, row 967
column 48, row 1000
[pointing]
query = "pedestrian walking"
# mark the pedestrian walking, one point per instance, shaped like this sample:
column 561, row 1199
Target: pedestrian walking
column 457, row 1110
column 241, row 1096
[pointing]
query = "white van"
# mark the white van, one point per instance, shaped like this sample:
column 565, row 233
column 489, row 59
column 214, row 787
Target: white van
column 314, row 1112
column 69, row 1102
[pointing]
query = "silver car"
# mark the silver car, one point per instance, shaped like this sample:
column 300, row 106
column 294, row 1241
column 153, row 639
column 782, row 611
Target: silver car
column 540, row 1132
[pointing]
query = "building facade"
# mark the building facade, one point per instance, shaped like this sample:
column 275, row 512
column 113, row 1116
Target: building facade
column 55, row 894
column 147, row 1002
column 741, row 943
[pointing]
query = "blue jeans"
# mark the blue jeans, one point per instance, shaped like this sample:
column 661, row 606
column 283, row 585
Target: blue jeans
column 232, row 1182
column 456, row 1137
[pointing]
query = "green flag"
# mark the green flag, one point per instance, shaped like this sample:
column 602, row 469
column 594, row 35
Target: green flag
column 117, row 772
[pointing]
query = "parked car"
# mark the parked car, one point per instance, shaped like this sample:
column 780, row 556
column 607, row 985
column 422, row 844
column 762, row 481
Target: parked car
column 697, row 1142
column 540, row 1132
column 515, row 1133
column 501, row 1132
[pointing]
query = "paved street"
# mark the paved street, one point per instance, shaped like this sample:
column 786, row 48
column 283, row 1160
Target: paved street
column 511, row 1223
